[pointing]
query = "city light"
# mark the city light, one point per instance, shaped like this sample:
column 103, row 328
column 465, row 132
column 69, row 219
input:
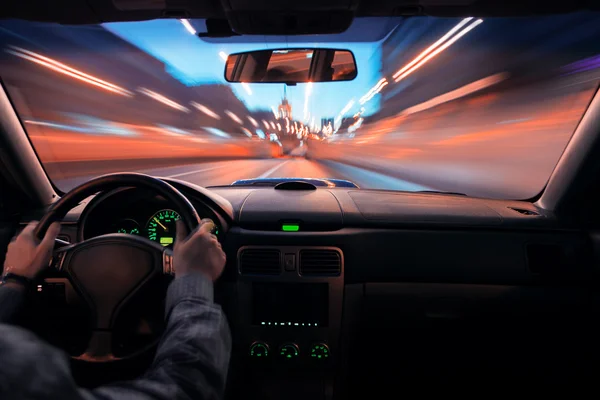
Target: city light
column 67, row 70
column 188, row 26
column 247, row 132
column 346, row 108
column 273, row 125
column 278, row 126
column 162, row 99
column 266, row 124
column 205, row 110
column 374, row 90
column 355, row 125
column 437, row 51
column 247, row 88
column 433, row 46
column 275, row 112
column 253, row 121
column 233, row 116
column 306, row 97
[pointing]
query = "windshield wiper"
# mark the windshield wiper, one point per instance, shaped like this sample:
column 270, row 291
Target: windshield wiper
column 441, row 192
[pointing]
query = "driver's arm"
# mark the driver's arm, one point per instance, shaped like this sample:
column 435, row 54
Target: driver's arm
column 193, row 355
column 25, row 258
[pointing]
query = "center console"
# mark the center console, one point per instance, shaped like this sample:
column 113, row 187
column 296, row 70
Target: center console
column 286, row 321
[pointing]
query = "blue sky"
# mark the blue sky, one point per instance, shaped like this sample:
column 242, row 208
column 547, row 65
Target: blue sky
column 195, row 62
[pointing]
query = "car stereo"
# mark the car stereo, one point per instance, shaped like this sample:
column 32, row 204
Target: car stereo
column 290, row 304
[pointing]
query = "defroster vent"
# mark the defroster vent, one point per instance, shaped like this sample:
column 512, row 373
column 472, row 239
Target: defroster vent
column 260, row 262
column 320, row 262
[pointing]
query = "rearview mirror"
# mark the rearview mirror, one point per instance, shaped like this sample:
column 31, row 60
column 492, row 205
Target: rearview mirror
column 291, row 66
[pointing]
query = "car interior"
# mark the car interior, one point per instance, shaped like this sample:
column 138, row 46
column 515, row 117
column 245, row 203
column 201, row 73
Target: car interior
column 331, row 291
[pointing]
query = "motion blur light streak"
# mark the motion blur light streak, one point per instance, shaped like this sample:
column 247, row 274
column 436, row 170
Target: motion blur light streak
column 253, row 121
column 275, row 112
column 205, row 110
column 247, row 132
column 233, row 117
column 490, row 117
column 433, row 46
column 216, row 132
column 439, row 49
column 163, row 99
column 66, row 70
column 188, row 26
column 457, row 93
column 346, row 108
column 247, row 88
column 366, row 97
column 355, row 125
column 306, row 97
column 374, row 90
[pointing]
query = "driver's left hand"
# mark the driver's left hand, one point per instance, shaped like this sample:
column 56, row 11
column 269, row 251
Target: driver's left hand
column 26, row 255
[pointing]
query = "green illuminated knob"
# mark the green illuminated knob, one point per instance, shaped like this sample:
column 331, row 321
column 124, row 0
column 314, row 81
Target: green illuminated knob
column 319, row 351
column 259, row 350
column 289, row 351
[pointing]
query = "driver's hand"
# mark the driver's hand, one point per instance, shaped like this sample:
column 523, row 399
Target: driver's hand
column 200, row 251
column 26, row 255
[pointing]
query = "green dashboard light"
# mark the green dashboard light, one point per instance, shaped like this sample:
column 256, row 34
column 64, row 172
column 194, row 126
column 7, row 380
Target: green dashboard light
column 165, row 241
column 259, row 349
column 290, row 227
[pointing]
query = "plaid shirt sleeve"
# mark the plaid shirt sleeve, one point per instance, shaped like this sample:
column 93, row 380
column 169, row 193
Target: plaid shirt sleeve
column 193, row 356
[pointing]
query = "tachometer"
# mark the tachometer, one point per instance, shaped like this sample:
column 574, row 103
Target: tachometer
column 128, row 226
column 161, row 227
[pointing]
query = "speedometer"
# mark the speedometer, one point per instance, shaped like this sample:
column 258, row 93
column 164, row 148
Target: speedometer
column 161, row 227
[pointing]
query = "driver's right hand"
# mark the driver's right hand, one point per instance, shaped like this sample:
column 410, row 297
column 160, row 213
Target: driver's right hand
column 198, row 252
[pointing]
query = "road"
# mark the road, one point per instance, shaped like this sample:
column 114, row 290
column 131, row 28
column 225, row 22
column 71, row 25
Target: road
column 226, row 172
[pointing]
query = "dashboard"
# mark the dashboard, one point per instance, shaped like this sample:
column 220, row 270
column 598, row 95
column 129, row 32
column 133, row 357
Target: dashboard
column 444, row 288
column 137, row 212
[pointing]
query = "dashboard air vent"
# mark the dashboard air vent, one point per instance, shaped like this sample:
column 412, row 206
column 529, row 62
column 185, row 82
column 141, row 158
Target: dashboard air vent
column 320, row 262
column 260, row 262
column 522, row 211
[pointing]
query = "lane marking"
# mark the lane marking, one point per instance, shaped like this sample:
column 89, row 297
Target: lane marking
column 275, row 168
column 195, row 171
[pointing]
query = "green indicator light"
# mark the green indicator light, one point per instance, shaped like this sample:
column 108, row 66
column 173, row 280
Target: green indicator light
column 295, row 324
column 165, row 241
column 289, row 356
column 290, row 227
column 262, row 323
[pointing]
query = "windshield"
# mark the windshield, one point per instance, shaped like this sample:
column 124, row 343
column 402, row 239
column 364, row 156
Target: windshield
column 483, row 107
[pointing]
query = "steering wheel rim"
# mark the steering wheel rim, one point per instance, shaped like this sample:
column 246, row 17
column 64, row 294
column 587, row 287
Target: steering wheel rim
column 108, row 270
column 114, row 181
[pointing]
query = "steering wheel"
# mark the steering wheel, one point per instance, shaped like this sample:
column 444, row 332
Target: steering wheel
column 108, row 270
